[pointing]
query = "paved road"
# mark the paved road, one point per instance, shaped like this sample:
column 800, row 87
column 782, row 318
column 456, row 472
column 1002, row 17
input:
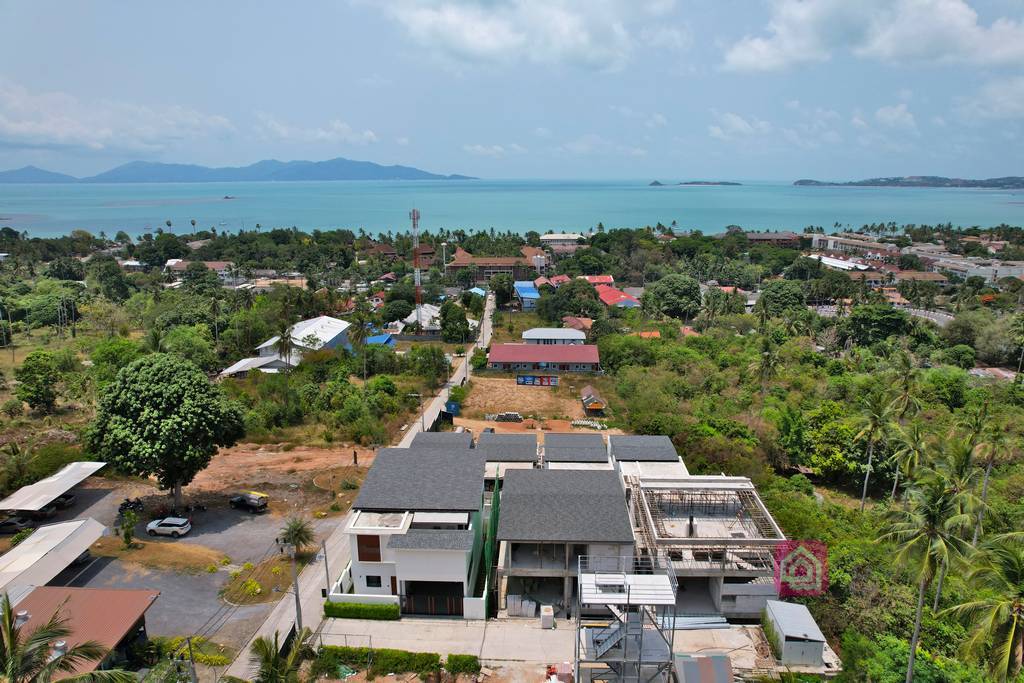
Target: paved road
column 312, row 579
column 462, row 374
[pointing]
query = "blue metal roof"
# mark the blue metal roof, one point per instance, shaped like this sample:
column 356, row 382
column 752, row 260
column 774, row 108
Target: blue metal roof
column 478, row 291
column 379, row 339
column 526, row 289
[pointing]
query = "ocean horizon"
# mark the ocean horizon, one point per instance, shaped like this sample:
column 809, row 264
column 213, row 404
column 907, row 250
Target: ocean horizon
column 47, row 210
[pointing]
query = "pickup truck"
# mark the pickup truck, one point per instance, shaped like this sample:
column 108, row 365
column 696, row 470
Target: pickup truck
column 253, row 501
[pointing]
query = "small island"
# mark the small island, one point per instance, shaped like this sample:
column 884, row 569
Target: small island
column 658, row 183
column 1004, row 183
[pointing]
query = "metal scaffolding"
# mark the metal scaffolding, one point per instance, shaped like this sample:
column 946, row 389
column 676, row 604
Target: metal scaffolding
column 625, row 613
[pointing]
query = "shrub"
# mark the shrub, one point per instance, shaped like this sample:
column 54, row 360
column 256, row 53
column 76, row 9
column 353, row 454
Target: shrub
column 355, row 610
column 385, row 661
column 12, row 407
column 21, row 536
column 462, row 664
column 251, row 587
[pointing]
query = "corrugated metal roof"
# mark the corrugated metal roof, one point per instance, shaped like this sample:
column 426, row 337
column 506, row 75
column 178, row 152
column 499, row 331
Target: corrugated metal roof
column 525, row 289
column 324, row 328
column 794, row 621
column 44, row 554
column 103, row 615
column 554, row 333
column 544, row 353
column 40, row 494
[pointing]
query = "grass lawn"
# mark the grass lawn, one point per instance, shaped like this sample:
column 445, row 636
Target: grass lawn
column 521, row 321
column 264, row 582
column 187, row 557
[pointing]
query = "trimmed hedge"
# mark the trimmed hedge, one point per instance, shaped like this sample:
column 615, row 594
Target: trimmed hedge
column 355, row 610
column 462, row 664
column 385, row 661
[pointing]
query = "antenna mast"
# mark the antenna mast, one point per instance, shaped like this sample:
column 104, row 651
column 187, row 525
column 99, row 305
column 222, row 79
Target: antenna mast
column 415, row 216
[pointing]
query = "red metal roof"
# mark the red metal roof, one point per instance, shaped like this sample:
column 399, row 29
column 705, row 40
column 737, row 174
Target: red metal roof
column 544, row 353
column 599, row 279
column 559, row 279
column 99, row 614
column 613, row 297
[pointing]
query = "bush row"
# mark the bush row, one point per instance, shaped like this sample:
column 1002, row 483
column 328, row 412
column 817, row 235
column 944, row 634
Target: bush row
column 386, row 660
column 355, row 610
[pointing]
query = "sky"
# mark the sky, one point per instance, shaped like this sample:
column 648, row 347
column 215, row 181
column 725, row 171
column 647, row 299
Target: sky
column 571, row 89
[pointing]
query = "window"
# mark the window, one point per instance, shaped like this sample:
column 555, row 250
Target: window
column 368, row 548
column 373, row 582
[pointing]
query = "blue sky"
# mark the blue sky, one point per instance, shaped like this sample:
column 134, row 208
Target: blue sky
column 779, row 89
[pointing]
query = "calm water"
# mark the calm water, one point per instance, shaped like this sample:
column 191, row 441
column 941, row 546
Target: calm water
column 46, row 210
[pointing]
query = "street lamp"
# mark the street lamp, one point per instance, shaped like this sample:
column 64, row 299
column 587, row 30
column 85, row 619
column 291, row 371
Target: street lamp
column 291, row 550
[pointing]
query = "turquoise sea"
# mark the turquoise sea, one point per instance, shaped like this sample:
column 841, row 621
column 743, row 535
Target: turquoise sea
column 520, row 205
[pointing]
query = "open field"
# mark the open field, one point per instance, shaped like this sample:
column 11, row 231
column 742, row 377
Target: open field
column 500, row 394
column 520, row 321
column 159, row 554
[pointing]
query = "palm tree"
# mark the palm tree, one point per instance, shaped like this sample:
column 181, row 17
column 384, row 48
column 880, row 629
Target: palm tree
column 1018, row 337
column 768, row 364
column 875, row 419
column 997, row 447
column 272, row 666
column 30, row 657
column 911, row 449
column 996, row 618
column 358, row 332
column 955, row 471
column 283, row 345
column 154, row 340
column 298, row 532
column 168, row 223
column 906, row 400
column 928, row 535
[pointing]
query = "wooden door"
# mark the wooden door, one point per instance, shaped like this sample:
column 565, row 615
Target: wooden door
column 394, row 585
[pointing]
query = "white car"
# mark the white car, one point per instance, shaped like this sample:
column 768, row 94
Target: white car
column 169, row 526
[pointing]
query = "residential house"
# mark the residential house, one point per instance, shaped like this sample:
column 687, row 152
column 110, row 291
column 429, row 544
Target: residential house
column 575, row 451
column 314, row 334
column 558, row 280
column 526, row 294
column 598, row 279
column 426, row 255
column 553, row 335
column 921, row 276
column 416, row 533
column 503, row 452
column 635, row 292
column 582, row 324
column 442, row 440
column 377, row 299
column 113, row 618
column 381, row 340
column 545, row 358
column 383, row 251
column 428, row 318
column 549, row 519
column 223, row 269
column 610, row 296
column 645, row 456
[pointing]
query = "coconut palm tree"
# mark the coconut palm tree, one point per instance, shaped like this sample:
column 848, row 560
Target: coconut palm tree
column 996, row 614
column 911, row 450
column 298, row 532
column 906, row 375
column 928, row 535
column 358, row 332
column 154, row 341
column 272, row 666
column 283, row 345
column 29, row 657
column 767, row 365
column 875, row 424
column 997, row 447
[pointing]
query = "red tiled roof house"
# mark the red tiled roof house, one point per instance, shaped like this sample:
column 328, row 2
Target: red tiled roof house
column 546, row 358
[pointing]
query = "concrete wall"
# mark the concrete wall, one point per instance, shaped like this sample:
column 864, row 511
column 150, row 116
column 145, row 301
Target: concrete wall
column 742, row 599
column 474, row 608
column 363, row 598
column 802, row 653
column 433, row 565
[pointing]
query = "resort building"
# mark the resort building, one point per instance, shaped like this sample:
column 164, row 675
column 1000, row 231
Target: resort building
column 521, row 267
column 849, row 243
column 783, row 239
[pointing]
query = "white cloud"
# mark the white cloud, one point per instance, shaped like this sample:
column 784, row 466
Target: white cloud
column 666, row 37
column 403, row 141
column 997, row 99
column 597, row 145
column 335, row 131
column 496, row 151
column 57, row 119
column 925, row 31
column 731, row 126
column 656, row 120
column 896, row 116
column 597, row 34
column 857, row 120
column 542, row 132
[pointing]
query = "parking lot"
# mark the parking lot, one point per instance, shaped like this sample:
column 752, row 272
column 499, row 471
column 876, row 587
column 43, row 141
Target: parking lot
column 190, row 598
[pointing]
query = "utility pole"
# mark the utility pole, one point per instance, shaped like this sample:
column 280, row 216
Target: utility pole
column 292, row 550
column 191, row 662
column 415, row 216
column 327, row 570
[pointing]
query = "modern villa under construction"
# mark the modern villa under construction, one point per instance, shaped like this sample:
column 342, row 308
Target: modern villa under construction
column 718, row 537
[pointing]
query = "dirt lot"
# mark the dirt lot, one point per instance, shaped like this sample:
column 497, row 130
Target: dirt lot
column 539, row 427
column 501, row 394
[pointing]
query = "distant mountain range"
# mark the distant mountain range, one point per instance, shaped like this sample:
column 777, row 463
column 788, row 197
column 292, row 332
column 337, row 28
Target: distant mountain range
column 1007, row 183
column 268, row 170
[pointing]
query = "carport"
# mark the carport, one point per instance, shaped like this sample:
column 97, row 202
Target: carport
column 45, row 554
column 36, row 496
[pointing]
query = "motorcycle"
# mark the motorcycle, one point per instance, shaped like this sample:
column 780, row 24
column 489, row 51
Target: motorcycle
column 131, row 504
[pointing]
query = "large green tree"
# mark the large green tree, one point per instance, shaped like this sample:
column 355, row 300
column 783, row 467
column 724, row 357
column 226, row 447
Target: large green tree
column 675, row 296
column 38, row 377
column 161, row 417
column 779, row 296
column 454, row 325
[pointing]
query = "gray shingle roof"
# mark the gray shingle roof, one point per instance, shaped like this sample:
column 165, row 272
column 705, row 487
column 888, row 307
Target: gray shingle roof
column 432, row 539
column 642, row 448
column 442, row 440
column 574, row 448
column 423, row 479
column 508, row 447
column 563, row 506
